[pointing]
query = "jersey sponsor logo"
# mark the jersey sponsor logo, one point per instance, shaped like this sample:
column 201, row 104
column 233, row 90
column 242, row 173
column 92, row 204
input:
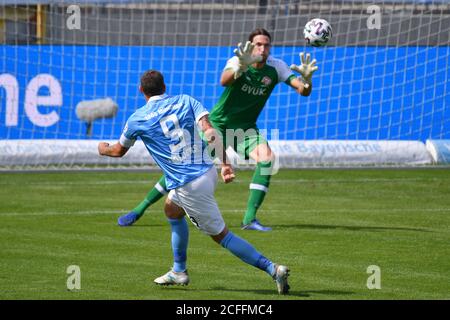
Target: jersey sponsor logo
column 254, row 91
column 266, row 80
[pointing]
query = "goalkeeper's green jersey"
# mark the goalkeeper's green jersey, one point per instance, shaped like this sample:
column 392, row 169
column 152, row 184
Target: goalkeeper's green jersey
column 241, row 103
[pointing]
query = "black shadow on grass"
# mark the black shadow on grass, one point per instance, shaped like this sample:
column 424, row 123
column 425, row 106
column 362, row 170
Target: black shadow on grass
column 257, row 291
column 146, row 225
column 350, row 228
column 292, row 293
column 328, row 292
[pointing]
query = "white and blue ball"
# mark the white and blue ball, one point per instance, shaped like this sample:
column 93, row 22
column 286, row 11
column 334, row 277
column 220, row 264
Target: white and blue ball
column 317, row 32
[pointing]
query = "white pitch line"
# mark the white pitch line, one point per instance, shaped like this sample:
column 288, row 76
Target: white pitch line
column 348, row 210
column 118, row 182
column 57, row 213
column 353, row 181
column 70, row 183
column 114, row 212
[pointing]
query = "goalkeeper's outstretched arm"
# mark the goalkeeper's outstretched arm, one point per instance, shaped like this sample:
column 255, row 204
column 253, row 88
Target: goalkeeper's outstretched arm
column 239, row 65
column 227, row 77
column 303, row 85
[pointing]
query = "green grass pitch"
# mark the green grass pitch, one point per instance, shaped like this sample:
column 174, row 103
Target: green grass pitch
column 329, row 227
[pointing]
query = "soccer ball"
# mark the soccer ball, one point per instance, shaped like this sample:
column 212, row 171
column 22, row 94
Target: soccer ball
column 317, row 32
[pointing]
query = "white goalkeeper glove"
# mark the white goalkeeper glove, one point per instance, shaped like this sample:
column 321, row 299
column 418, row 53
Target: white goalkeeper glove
column 307, row 68
column 244, row 54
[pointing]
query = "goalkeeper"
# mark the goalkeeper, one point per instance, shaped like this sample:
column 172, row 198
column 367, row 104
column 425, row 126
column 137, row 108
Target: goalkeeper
column 249, row 78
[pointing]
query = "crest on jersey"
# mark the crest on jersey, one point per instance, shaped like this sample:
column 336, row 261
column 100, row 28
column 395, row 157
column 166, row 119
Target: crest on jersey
column 266, row 80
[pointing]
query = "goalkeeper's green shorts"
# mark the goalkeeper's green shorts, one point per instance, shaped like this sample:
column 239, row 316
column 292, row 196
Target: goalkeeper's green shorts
column 242, row 141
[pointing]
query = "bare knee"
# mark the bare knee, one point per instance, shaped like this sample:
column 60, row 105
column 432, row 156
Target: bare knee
column 219, row 237
column 172, row 210
column 262, row 153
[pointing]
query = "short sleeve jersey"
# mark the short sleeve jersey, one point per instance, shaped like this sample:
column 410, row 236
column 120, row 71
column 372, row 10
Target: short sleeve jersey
column 168, row 127
column 241, row 103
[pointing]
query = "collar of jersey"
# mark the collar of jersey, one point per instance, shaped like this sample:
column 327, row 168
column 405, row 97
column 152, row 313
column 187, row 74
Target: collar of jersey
column 161, row 96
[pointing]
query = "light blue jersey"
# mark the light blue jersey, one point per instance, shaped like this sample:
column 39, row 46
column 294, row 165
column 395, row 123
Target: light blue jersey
column 168, row 127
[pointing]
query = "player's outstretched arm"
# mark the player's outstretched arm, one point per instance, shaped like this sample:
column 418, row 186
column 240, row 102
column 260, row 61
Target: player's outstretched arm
column 227, row 77
column 115, row 150
column 237, row 67
column 215, row 140
column 301, row 87
column 306, row 69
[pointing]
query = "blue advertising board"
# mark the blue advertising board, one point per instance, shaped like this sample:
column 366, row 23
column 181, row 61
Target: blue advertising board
column 359, row 93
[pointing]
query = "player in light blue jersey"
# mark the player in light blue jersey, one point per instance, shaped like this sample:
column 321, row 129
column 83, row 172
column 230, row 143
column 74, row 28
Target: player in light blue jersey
column 168, row 126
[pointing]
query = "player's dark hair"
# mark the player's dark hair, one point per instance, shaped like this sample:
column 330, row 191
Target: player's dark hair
column 152, row 83
column 259, row 32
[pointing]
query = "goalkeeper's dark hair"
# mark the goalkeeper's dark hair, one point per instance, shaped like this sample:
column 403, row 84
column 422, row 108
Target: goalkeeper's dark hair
column 259, row 32
column 152, row 83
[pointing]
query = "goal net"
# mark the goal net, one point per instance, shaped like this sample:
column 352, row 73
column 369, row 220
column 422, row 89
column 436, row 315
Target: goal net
column 69, row 75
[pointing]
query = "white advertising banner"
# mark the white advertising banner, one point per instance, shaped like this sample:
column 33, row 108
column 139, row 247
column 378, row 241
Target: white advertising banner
column 66, row 152
column 439, row 150
column 349, row 153
column 290, row 154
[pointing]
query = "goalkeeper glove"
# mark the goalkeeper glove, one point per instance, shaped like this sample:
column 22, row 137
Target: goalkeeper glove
column 307, row 68
column 245, row 57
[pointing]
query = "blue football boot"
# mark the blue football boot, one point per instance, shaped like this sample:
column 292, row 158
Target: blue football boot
column 255, row 225
column 128, row 219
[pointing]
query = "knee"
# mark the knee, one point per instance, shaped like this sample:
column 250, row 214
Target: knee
column 266, row 157
column 173, row 211
column 262, row 153
column 219, row 237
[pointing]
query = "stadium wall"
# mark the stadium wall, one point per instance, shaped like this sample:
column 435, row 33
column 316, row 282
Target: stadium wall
column 224, row 23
